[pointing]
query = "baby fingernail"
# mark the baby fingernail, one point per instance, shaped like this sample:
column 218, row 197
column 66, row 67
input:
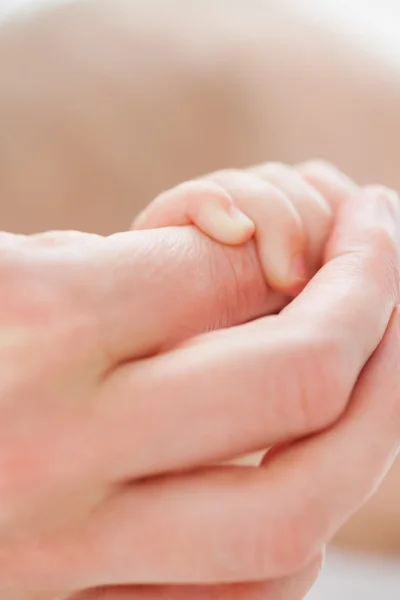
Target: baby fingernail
column 225, row 223
column 239, row 217
column 298, row 269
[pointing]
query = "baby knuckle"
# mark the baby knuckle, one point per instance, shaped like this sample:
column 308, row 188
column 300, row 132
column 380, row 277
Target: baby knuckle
column 322, row 211
column 202, row 191
column 271, row 169
column 224, row 176
column 318, row 165
column 387, row 197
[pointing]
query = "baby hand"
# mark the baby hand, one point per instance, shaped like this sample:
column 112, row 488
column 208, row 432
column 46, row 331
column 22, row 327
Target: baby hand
column 287, row 213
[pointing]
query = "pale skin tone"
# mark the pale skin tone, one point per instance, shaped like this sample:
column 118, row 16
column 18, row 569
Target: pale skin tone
column 90, row 411
column 289, row 217
column 248, row 111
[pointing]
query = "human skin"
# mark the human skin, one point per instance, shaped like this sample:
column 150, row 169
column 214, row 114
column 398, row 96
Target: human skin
column 289, row 219
column 89, row 453
column 95, row 170
column 375, row 527
column 100, row 129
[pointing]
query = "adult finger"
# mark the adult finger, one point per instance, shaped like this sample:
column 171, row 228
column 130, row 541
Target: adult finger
column 241, row 390
column 207, row 283
column 237, row 524
column 155, row 288
column 364, row 250
column 289, row 588
column 134, row 293
column 214, row 203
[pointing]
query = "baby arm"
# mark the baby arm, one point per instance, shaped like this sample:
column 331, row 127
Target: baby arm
column 288, row 216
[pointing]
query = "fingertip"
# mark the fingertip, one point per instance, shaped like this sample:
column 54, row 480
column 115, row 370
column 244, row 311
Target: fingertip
column 223, row 221
column 296, row 277
column 204, row 204
column 245, row 227
column 291, row 281
column 298, row 273
column 284, row 258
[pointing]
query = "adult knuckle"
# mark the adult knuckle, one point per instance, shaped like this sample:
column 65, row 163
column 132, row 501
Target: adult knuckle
column 300, row 537
column 253, row 546
column 323, row 395
column 293, row 551
column 289, row 552
column 32, row 302
column 381, row 261
column 286, row 545
column 250, row 548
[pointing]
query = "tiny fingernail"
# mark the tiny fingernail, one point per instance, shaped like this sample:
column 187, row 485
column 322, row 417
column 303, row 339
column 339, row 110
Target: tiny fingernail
column 239, row 217
column 298, row 269
column 225, row 223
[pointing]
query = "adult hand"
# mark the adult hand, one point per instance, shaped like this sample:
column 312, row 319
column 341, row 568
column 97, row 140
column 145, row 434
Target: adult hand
column 87, row 421
column 75, row 308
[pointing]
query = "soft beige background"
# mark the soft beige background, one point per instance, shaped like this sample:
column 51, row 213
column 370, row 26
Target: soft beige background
column 374, row 24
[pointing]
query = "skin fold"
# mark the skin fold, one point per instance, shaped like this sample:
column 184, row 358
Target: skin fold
column 95, row 150
column 88, row 401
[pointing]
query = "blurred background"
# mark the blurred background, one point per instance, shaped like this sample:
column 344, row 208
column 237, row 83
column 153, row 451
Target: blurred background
column 105, row 103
